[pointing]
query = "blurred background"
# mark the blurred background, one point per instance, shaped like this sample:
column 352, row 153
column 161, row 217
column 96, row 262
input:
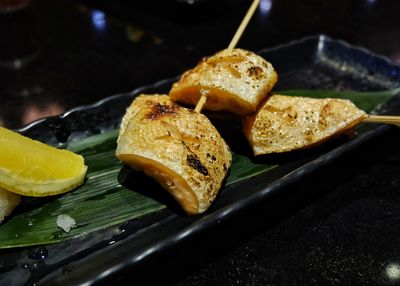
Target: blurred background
column 55, row 55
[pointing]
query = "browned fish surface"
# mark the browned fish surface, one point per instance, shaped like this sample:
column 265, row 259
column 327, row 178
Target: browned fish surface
column 235, row 81
column 177, row 146
column 286, row 123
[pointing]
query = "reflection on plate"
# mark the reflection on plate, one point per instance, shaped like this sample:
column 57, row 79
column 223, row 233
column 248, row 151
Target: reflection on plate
column 311, row 63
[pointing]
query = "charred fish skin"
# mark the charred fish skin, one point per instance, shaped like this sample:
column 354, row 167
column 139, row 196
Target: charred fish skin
column 233, row 80
column 177, row 146
column 287, row 123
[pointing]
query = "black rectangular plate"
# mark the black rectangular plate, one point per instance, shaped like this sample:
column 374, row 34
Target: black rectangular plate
column 316, row 62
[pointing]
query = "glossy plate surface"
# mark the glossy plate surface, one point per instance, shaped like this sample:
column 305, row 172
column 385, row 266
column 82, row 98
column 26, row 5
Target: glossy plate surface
column 311, row 63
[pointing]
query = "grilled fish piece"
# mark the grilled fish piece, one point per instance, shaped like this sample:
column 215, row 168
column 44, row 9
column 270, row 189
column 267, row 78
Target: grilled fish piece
column 233, row 80
column 178, row 147
column 286, row 123
column 8, row 201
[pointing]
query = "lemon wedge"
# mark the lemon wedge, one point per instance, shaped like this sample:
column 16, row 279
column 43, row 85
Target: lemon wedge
column 32, row 168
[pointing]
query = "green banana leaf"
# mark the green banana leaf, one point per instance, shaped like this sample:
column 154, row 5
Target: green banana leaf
column 102, row 201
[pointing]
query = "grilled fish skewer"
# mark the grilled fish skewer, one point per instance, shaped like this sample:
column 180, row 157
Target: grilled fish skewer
column 287, row 123
column 232, row 80
column 178, row 147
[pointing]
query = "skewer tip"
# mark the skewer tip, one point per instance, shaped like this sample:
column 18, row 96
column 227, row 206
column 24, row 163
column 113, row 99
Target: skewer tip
column 200, row 103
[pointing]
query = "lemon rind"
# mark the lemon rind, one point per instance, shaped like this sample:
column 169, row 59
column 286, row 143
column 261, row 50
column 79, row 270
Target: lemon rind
column 39, row 188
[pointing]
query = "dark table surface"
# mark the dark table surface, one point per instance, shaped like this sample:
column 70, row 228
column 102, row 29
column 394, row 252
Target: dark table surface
column 56, row 55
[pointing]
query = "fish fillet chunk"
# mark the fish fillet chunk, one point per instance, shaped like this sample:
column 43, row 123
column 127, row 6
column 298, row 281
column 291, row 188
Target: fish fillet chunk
column 286, row 123
column 8, row 201
column 233, row 80
column 178, row 147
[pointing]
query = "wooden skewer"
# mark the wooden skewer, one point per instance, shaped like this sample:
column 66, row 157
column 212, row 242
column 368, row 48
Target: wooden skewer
column 201, row 101
column 243, row 25
column 232, row 45
column 386, row 119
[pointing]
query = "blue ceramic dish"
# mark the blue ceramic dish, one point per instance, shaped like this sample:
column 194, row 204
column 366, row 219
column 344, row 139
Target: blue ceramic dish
column 137, row 246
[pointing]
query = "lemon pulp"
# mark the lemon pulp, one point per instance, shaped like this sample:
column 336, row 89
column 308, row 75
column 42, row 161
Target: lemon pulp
column 32, row 168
